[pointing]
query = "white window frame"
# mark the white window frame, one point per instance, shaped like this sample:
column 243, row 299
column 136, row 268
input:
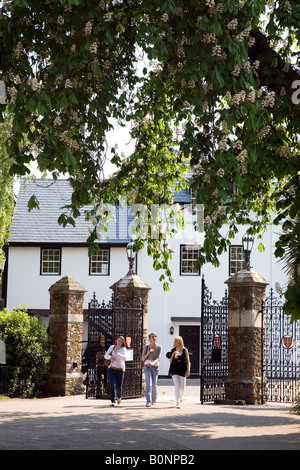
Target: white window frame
column 50, row 261
column 188, row 256
column 236, row 259
column 100, row 263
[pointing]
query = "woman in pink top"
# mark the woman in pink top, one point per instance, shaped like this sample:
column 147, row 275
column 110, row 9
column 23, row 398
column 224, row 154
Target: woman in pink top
column 116, row 369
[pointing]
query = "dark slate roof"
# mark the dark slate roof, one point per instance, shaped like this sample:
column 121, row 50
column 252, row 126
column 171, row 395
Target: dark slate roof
column 40, row 225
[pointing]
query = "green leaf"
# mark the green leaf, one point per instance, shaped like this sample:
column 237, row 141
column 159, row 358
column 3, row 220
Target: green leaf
column 33, row 203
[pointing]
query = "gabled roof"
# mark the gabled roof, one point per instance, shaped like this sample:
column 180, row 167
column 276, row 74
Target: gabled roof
column 40, row 226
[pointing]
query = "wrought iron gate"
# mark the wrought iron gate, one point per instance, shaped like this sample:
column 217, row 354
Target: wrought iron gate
column 281, row 353
column 280, row 350
column 214, row 341
column 105, row 323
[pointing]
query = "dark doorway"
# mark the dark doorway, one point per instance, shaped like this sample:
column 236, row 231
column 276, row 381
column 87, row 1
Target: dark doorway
column 191, row 339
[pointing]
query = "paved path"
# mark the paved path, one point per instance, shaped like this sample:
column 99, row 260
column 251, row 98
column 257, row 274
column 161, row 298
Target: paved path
column 77, row 423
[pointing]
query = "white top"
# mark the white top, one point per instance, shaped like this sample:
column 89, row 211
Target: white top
column 119, row 357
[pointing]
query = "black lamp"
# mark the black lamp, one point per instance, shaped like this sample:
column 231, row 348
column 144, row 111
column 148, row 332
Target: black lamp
column 247, row 248
column 171, row 330
column 131, row 257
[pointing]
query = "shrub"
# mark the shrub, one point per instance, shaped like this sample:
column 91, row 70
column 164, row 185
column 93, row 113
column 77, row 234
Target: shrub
column 27, row 351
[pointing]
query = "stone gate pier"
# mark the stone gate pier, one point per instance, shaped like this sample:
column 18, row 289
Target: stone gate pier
column 246, row 291
column 65, row 333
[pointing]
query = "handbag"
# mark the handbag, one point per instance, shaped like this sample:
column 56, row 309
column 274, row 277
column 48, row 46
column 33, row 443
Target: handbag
column 107, row 362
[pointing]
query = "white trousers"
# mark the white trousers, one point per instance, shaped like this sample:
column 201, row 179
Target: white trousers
column 180, row 383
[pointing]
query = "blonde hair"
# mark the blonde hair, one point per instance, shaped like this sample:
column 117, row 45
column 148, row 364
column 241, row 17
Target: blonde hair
column 179, row 341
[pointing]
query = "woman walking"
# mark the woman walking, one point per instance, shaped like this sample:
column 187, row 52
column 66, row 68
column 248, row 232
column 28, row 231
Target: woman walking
column 179, row 368
column 116, row 369
column 150, row 356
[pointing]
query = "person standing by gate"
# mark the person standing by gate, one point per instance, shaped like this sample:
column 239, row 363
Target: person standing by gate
column 179, row 368
column 116, row 369
column 150, row 356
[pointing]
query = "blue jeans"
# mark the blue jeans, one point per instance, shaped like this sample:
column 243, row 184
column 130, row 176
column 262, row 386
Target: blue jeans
column 151, row 374
column 116, row 380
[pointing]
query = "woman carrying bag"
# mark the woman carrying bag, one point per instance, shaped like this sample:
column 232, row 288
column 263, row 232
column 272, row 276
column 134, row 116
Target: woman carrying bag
column 179, row 368
column 117, row 354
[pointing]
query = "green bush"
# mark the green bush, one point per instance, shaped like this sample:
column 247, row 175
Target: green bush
column 27, row 351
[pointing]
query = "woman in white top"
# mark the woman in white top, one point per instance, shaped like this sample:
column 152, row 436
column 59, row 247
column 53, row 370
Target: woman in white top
column 116, row 369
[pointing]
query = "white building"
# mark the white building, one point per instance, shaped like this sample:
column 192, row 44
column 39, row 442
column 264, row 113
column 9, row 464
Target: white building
column 40, row 252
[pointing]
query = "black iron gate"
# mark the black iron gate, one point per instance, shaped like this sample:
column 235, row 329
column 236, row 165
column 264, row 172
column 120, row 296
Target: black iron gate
column 105, row 323
column 280, row 350
column 214, row 341
column 281, row 353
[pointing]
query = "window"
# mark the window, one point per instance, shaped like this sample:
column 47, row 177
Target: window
column 236, row 259
column 99, row 263
column 189, row 260
column 50, row 258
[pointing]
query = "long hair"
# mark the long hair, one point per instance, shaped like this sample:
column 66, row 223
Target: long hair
column 179, row 341
column 123, row 340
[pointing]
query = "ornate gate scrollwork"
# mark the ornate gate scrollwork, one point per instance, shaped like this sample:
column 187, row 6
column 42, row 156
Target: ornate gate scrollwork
column 105, row 323
column 214, row 332
column 281, row 352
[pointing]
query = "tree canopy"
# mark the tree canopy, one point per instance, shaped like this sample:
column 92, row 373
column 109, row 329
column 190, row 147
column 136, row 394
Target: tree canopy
column 210, row 85
column 7, row 203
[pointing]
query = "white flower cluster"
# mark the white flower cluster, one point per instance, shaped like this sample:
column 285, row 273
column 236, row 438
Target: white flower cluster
column 12, row 91
column 283, row 91
column 18, row 50
column 88, row 28
column 251, row 96
column 237, row 144
column 292, row 191
column 264, row 132
column 239, row 97
column 165, row 17
column 269, row 100
column 221, row 172
column 68, row 83
column 94, row 48
column 180, row 52
column 287, row 7
column 35, row 85
column 73, row 144
column 179, row 12
column 237, row 69
column 286, row 67
column 217, row 50
column 57, row 121
column 107, row 17
column 241, row 159
column 222, row 144
column 210, row 37
column 242, row 35
column 207, row 220
column 60, row 20
column 283, row 151
column 233, row 24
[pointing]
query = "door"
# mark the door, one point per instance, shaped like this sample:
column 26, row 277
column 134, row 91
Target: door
column 191, row 339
